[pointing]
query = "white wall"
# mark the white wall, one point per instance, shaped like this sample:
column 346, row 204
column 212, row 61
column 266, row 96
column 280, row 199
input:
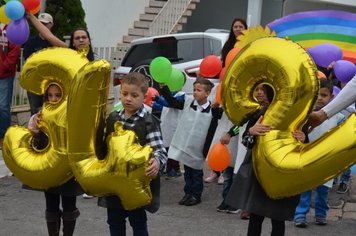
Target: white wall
column 109, row 20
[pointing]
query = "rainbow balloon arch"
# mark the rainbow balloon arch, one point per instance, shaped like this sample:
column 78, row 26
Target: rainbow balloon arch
column 312, row 28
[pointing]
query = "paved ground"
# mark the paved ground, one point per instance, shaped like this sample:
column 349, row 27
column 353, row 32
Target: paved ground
column 22, row 213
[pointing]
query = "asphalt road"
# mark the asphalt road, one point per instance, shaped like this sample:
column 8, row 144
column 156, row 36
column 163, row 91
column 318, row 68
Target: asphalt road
column 22, row 213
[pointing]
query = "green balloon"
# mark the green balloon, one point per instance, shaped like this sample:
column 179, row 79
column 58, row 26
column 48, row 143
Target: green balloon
column 176, row 80
column 160, row 69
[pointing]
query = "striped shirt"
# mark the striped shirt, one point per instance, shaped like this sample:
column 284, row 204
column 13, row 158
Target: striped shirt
column 153, row 137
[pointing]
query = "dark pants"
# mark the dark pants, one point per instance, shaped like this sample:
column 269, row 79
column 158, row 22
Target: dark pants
column 228, row 177
column 255, row 226
column 117, row 221
column 193, row 182
column 172, row 165
column 53, row 201
column 36, row 102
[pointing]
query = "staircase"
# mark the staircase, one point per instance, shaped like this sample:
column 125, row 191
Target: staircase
column 160, row 17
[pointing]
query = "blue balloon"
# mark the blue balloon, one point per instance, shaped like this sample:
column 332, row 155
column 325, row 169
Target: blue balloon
column 14, row 10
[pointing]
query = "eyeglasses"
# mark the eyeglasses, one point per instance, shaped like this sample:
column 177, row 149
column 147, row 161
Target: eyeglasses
column 80, row 37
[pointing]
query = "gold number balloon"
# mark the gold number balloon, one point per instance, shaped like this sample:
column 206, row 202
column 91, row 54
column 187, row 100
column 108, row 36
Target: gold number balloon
column 283, row 166
column 49, row 167
column 122, row 171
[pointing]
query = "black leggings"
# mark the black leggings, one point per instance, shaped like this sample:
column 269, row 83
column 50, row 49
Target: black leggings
column 53, row 200
column 255, row 226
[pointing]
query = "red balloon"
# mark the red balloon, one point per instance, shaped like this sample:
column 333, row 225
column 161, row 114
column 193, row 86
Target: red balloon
column 31, row 4
column 151, row 93
column 222, row 74
column 210, row 66
column 219, row 157
column 36, row 9
column 230, row 56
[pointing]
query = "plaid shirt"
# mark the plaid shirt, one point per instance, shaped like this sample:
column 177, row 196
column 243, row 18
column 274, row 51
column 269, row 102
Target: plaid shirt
column 154, row 137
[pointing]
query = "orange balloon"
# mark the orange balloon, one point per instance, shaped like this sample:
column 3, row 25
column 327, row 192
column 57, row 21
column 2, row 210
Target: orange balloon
column 222, row 74
column 230, row 56
column 219, row 157
column 36, row 9
column 217, row 95
column 321, row 75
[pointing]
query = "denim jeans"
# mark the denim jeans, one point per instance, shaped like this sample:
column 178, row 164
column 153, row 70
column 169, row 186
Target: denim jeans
column 193, row 182
column 345, row 177
column 6, row 86
column 321, row 203
column 117, row 221
column 36, row 102
column 228, row 177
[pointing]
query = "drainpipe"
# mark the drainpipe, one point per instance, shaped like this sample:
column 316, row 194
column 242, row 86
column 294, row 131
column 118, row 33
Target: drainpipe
column 254, row 9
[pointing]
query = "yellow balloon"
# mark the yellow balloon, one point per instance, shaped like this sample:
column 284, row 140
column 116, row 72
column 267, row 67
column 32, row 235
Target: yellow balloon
column 283, row 166
column 49, row 167
column 3, row 17
column 122, row 171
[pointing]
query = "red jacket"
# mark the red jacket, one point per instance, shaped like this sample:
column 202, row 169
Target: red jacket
column 9, row 56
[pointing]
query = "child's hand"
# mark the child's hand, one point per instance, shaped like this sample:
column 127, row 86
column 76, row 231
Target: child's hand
column 153, row 168
column 37, row 118
column 225, row 139
column 33, row 123
column 299, row 135
column 259, row 129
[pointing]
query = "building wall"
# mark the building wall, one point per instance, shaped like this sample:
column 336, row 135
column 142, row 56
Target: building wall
column 108, row 21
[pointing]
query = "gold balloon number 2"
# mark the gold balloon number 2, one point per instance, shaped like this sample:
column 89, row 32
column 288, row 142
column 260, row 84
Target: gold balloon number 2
column 283, row 166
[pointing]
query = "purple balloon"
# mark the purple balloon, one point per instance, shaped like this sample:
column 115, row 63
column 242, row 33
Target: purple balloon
column 324, row 54
column 344, row 70
column 336, row 91
column 18, row 31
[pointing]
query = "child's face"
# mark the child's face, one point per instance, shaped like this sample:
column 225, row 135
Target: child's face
column 324, row 97
column 200, row 94
column 131, row 97
column 54, row 93
column 260, row 94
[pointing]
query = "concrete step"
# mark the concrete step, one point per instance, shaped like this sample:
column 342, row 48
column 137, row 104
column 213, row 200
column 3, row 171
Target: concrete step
column 183, row 20
column 157, row 3
column 138, row 32
column 129, row 38
column 187, row 13
column 147, row 17
column 142, row 24
column 152, row 10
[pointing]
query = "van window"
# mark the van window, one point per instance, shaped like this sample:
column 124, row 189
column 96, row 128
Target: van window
column 212, row 47
column 177, row 51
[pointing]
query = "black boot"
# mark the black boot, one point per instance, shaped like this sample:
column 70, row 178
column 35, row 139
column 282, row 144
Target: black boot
column 69, row 219
column 53, row 222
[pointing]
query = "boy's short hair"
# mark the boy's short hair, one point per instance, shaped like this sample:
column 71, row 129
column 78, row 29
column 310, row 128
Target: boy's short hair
column 208, row 85
column 328, row 84
column 137, row 79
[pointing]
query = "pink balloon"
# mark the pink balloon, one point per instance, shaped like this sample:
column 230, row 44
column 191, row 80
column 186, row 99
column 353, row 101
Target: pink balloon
column 324, row 54
column 18, row 31
column 344, row 70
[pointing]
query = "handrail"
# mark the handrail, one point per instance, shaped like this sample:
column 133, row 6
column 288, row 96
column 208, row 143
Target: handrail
column 168, row 17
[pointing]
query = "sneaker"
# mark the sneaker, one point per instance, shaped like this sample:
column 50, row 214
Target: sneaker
column 343, row 188
column 184, row 199
column 171, row 174
column 86, row 196
column 221, row 179
column 211, row 178
column 300, row 223
column 191, row 201
column 320, row 221
column 222, row 207
column 232, row 210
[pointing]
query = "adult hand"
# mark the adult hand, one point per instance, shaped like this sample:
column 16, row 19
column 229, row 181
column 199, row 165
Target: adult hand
column 316, row 118
column 259, row 129
column 299, row 135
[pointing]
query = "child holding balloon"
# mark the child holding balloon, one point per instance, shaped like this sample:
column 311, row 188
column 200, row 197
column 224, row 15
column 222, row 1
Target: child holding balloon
column 190, row 142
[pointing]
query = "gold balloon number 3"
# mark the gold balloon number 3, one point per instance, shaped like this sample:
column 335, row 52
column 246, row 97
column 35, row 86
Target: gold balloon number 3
column 283, row 166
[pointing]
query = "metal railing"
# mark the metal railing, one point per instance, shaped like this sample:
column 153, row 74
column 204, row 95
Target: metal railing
column 168, row 17
column 19, row 96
